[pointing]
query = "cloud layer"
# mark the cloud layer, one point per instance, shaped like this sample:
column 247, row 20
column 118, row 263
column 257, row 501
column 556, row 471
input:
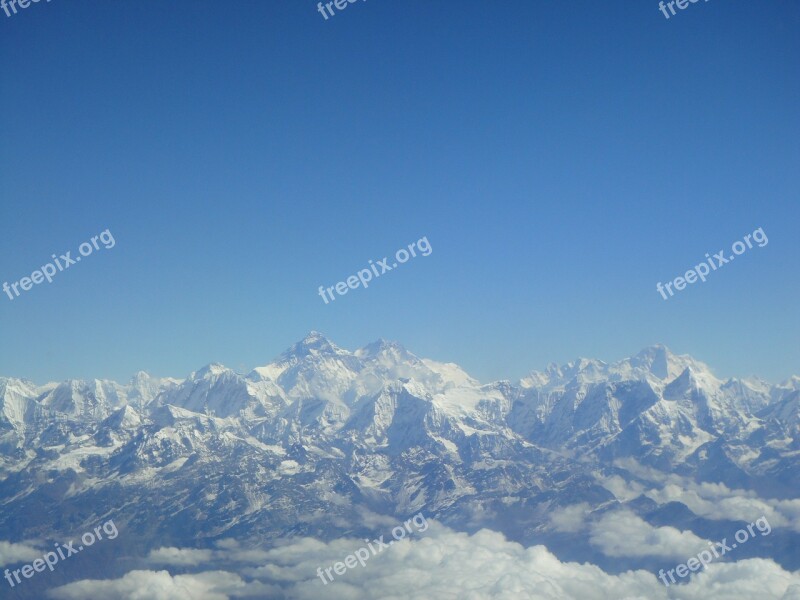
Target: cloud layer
column 441, row 564
column 11, row 554
column 714, row 501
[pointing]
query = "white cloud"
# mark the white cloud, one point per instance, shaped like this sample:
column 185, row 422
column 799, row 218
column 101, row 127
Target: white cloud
column 736, row 505
column 228, row 550
column 11, row 554
column 446, row 564
column 622, row 533
column 179, row 556
column 453, row 566
column 714, row 501
column 624, row 491
column 744, row 580
column 570, row 519
column 231, row 550
column 154, row 585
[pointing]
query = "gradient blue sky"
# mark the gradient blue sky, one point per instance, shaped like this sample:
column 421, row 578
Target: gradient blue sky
column 561, row 158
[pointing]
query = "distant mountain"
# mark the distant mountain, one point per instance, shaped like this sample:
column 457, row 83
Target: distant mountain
column 301, row 445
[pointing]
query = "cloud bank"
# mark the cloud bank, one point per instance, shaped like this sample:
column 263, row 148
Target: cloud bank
column 441, row 564
column 11, row 554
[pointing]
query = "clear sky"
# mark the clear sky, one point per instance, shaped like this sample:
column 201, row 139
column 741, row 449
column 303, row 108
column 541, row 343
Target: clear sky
column 561, row 158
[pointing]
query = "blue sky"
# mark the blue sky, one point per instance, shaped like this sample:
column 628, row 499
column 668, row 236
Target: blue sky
column 561, row 158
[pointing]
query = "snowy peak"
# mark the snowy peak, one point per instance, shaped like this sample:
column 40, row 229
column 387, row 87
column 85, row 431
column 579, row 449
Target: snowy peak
column 15, row 398
column 123, row 418
column 210, row 371
column 682, row 386
column 315, row 384
column 310, row 353
column 94, row 399
column 314, row 344
column 580, row 370
column 655, row 364
column 387, row 362
column 368, row 409
column 793, row 383
column 143, row 388
column 692, row 382
column 141, row 378
column 390, row 359
column 655, row 359
column 451, row 374
column 214, row 390
column 383, row 348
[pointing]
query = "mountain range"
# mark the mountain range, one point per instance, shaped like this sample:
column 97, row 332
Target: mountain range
column 309, row 443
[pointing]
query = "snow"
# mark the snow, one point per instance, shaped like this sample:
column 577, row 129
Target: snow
column 405, row 429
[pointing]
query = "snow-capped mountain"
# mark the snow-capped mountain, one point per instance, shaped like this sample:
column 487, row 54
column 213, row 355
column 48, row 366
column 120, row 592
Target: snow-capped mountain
column 301, row 445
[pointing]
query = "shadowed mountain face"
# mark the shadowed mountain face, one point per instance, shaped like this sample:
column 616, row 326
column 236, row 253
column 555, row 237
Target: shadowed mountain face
column 304, row 445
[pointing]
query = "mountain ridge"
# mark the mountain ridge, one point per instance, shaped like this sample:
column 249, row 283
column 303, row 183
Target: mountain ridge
column 317, row 344
column 306, row 443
